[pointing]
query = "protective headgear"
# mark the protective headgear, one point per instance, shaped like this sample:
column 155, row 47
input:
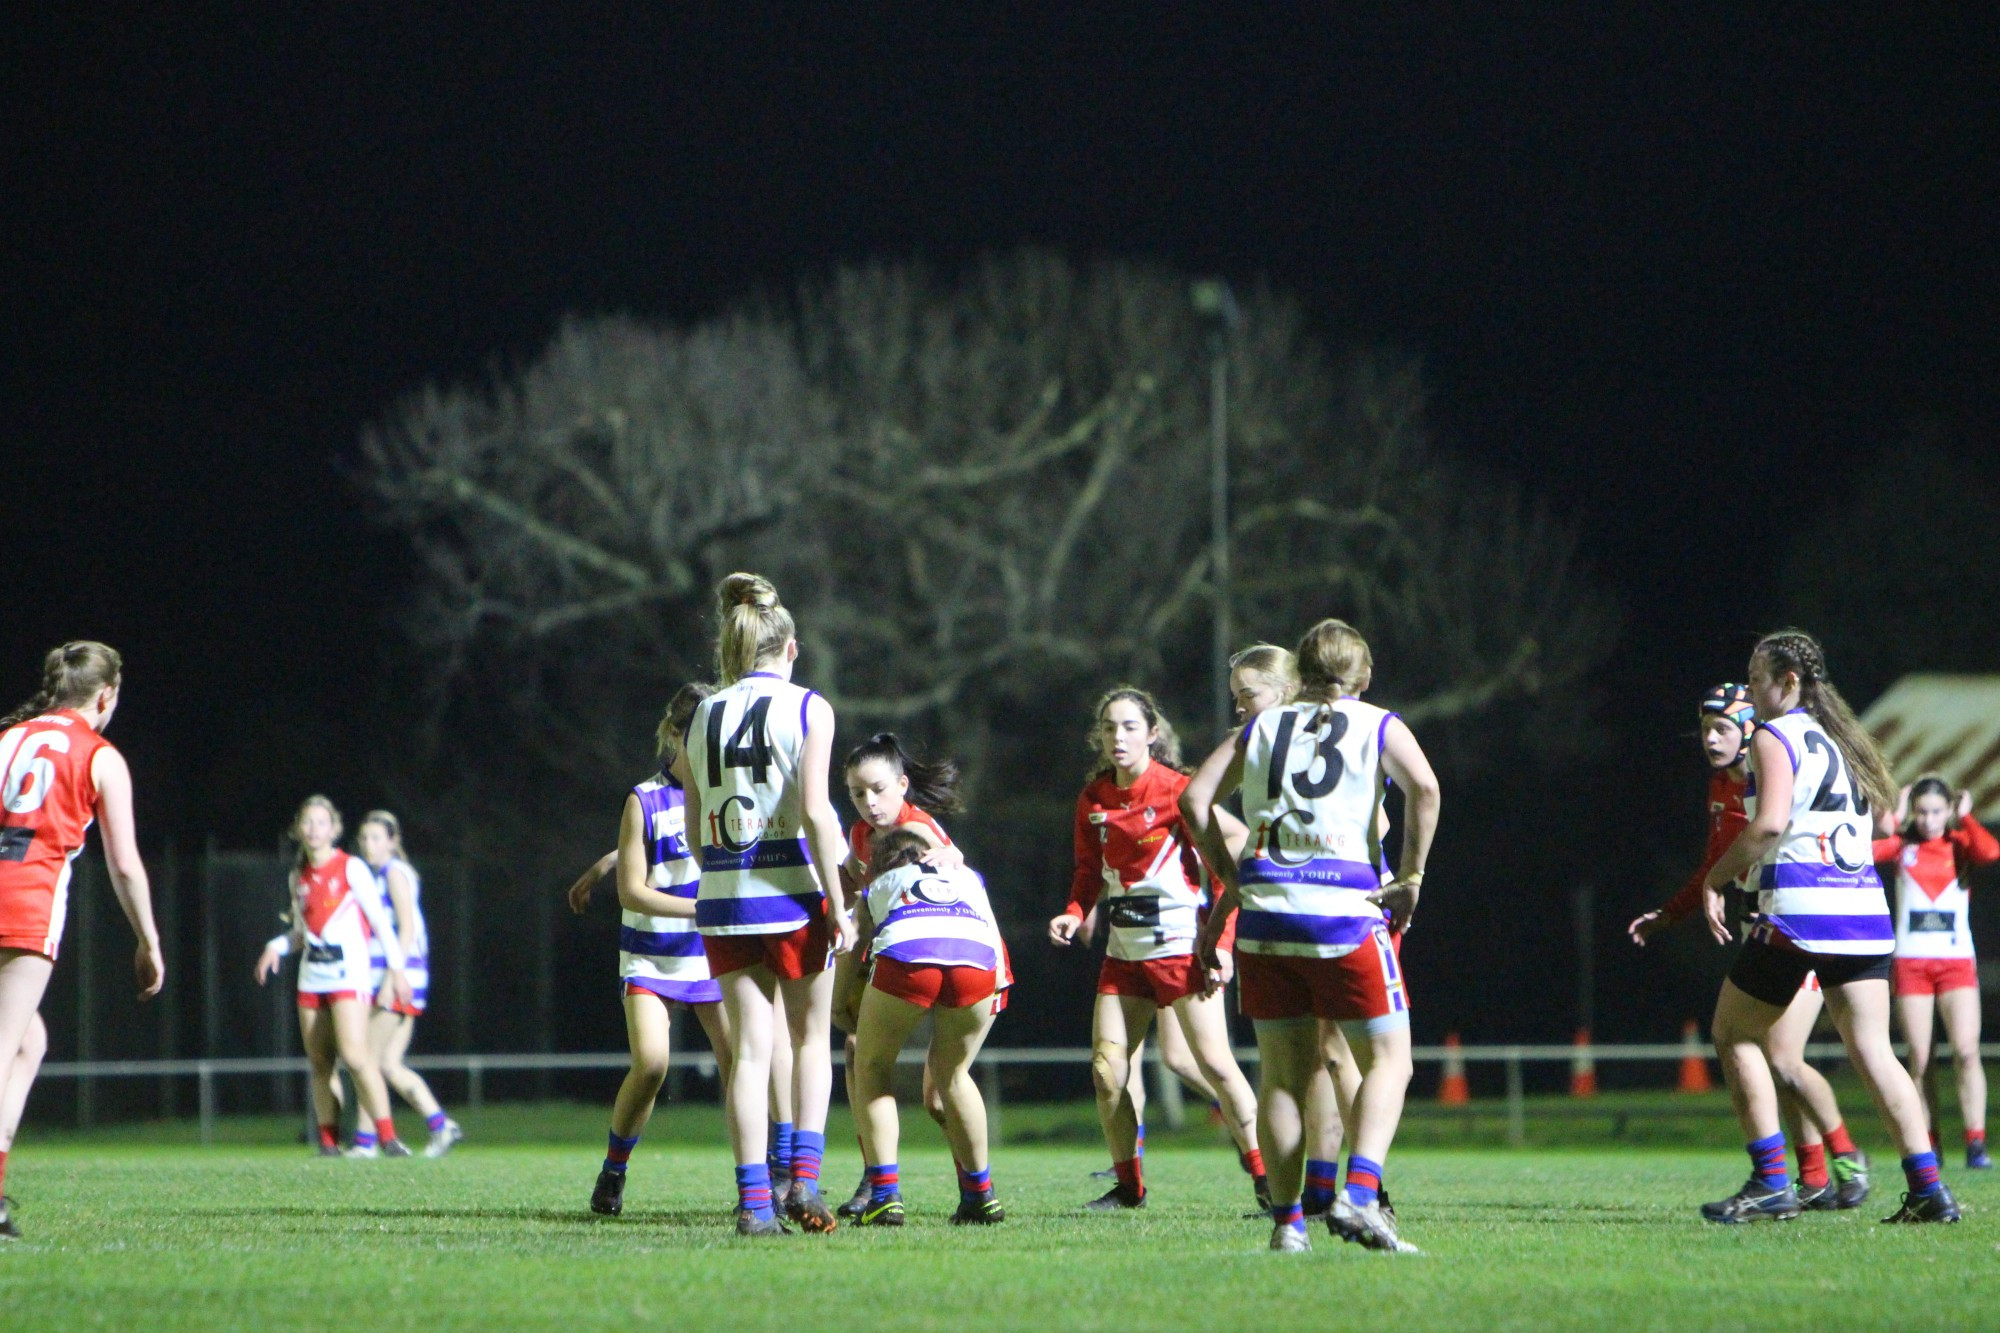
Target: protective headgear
column 1733, row 702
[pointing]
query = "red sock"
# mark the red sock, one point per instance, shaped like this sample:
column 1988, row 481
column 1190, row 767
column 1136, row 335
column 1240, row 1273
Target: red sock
column 1934, row 1141
column 385, row 1129
column 1972, row 1136
column 1837, row 1141
column 329, row 1136
column 1253, row 1161
column 1129, row 1175
column 1812, row 1164
column 3, row 1171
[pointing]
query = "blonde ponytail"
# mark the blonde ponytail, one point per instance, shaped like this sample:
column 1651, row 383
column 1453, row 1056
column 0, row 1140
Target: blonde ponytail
column 1334, row 662
column 754, row 627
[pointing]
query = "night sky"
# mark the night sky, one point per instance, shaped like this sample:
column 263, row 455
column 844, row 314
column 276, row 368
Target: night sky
column 1639, row 256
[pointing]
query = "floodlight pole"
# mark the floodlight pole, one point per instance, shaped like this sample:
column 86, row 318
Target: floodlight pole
column 1216, row 304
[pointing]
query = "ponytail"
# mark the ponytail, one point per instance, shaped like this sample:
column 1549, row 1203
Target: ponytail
column 296, row 832
column 1796, row 651
column 71, row 677
column 933, row 785
column 1333, row 662
column 754, row 626
column 674, row 722
column 1166, row 746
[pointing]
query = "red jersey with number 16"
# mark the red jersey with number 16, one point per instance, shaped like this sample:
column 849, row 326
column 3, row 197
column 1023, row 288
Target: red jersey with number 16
column 48, row 799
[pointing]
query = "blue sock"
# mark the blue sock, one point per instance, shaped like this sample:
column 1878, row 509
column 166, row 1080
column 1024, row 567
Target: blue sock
column 1921, row 1171
column 1322, row 1181
column 782, row 1141
column 1139, row 1143
column 753, row 1190
column 365, row 1138
column 618, row 1151
column 1767, row 1162
column 435, row 1121
column 974, row 1185
column 883, row 1183
column 808, row 1147
column 1290, row 1215
column 1364, row 1180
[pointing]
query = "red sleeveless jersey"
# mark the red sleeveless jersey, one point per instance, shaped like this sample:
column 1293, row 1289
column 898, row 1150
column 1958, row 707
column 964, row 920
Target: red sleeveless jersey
column 48, row 800
column 323, row 890
column 861, row 834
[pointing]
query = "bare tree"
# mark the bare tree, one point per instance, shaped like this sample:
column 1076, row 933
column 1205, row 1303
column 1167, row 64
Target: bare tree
column 979, row 496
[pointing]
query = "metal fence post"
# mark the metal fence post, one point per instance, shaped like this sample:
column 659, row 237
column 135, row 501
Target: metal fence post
column 166, row 910
column 205, row 1093
column 1517, row 1108
column 83, row 898
column 475, row 1082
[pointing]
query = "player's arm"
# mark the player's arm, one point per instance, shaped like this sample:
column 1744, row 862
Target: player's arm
column 578, row 894
column 1408, row 767
column 942, row 855
column 634, row 893
column 1211, row 828
column 683, row 769
column 1773, row 767
column 361, row 887
column 1974, row 843
column 403, row 898
column 824, row 845
column 1085, row 883
column 850, row 976
column 279, row 947
column 113, row 780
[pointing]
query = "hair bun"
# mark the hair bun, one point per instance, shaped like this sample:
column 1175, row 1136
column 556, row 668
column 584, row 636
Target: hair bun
column 747, row 590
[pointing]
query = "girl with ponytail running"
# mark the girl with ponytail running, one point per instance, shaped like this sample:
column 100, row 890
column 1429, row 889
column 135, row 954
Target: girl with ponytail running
column 771, row 902
column 1817, row 783
column 1133, row 851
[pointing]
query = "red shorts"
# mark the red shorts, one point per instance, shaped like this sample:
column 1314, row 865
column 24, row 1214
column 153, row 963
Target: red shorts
column 26, row 913
column 1365, row 984
column 1161, row 980
column 324, row 999
column 928, row 985
column 1933, row 976
column 790, row 955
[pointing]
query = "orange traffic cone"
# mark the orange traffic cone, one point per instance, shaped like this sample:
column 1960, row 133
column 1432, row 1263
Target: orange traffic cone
column 1452, row 1089
column 1694, row 1060
column 1582, row 1069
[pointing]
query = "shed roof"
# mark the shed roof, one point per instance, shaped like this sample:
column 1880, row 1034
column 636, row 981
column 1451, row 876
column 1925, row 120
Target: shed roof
column 1933, row 723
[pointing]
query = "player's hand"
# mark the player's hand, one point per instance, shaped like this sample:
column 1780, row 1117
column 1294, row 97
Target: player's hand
column 1711, row 911
column 1965, row 803
column 1903, row 807
column 1220, row 965
column 844, row 933
column 1643, row 928
column 268, row 963
column 579, row 892
column 946, row 857
column 149, row 968
column 1400, row 898
column 1062, row 929
column 397, row 985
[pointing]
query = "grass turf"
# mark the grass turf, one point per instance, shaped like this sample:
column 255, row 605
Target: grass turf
column 127, row 1230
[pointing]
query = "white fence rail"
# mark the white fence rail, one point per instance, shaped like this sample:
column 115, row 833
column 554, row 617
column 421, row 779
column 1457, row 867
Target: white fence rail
column 1513, row 1059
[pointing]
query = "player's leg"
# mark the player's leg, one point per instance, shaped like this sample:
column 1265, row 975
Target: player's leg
column 1959, row 1008
column 1917, row 1013
column 809, row 1015
column 1381, row 1047
column 1741, row 1028
column 649, row 1033
column 1205, row 1024
column 956, row 1036
column 1860, row 1009
column 1118, row 1023
column 1329, row 1105
column 784, row 1124
column 349, row 1020
column 886, row 1022
column 747, row 995
column 24, row 978
column 1178, row 1056
column 1805, row 1099
column 389, row 1035
column 1288, row 1059
column 316, row 1040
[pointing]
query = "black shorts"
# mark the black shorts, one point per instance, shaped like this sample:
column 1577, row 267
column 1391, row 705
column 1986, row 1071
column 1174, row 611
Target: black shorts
column 1772, row 974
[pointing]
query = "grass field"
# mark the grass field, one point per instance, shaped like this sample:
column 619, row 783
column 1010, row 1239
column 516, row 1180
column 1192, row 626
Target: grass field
column 126, row 1228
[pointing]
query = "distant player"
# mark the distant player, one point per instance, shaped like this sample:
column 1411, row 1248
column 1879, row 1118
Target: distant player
column 661, row 962
column 1313, row 943
column 771, row 904
column 1133, row 852
column 934, row 946
column 57, row 776
column 890, row 789
column 335, row 907
column 393, row 1023
column 1816, row 782
column 1936, row 972
column 1727, row 721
